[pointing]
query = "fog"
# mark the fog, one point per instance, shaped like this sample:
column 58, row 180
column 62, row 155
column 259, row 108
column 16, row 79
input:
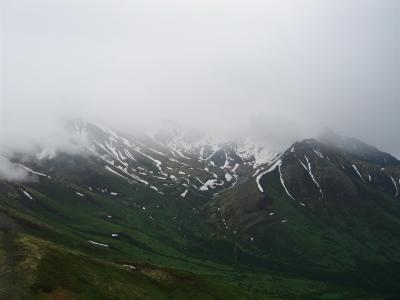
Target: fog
column 278, row 70
column 12, row 172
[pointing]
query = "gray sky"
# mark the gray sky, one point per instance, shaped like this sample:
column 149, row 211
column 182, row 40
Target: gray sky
column 278, row 69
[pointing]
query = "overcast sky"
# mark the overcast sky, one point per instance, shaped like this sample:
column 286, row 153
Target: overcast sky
column 276, row 68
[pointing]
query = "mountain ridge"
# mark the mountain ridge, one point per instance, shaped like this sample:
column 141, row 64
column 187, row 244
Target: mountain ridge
column 211, row 209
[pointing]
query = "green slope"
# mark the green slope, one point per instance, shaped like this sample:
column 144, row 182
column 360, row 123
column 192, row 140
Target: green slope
column 188, row 248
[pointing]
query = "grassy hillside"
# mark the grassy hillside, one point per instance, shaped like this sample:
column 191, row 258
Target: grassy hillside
column 72, row 239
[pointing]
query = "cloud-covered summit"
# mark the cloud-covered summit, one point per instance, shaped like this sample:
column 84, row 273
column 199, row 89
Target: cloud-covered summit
column 274, row 69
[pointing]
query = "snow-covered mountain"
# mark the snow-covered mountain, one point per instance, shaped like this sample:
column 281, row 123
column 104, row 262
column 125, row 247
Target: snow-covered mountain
column 178, row 191
column 171, row 158
column 192, row 162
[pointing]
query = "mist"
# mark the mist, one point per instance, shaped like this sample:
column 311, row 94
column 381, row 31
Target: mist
column 276, row 70
column 12, row 172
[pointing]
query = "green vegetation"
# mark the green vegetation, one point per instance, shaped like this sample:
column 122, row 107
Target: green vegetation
column 167, row 247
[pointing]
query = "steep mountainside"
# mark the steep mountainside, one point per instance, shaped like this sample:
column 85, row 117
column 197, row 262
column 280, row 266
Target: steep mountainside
column 180, row 215
column 323, row 200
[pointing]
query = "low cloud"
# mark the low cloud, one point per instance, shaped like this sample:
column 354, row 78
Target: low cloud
column 279, row 70
column 11, row 172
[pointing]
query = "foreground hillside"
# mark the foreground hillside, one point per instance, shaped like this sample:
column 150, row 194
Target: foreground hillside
column 169, row 217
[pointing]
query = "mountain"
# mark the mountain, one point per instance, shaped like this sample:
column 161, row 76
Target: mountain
column 177, row 214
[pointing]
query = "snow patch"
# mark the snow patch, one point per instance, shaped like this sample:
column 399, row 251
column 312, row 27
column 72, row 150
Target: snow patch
column 235, row 168
column 272, row 168
column 283, row 183
column 26, row 194
column 98, row 244
column 318, row 153
column 228, row 177
column 208, row 184
column 129, row 267
column 395, row 185
column 359, row 174
column 156, row 189
column 32, row 171
column 309, row 170
column 114, row 172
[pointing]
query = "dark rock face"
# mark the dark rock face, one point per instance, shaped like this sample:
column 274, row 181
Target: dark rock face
column 314, row 166
column 318, row 191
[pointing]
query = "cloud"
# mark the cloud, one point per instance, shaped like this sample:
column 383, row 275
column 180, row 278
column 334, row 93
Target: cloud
column 12, row 172
column 279, row 70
